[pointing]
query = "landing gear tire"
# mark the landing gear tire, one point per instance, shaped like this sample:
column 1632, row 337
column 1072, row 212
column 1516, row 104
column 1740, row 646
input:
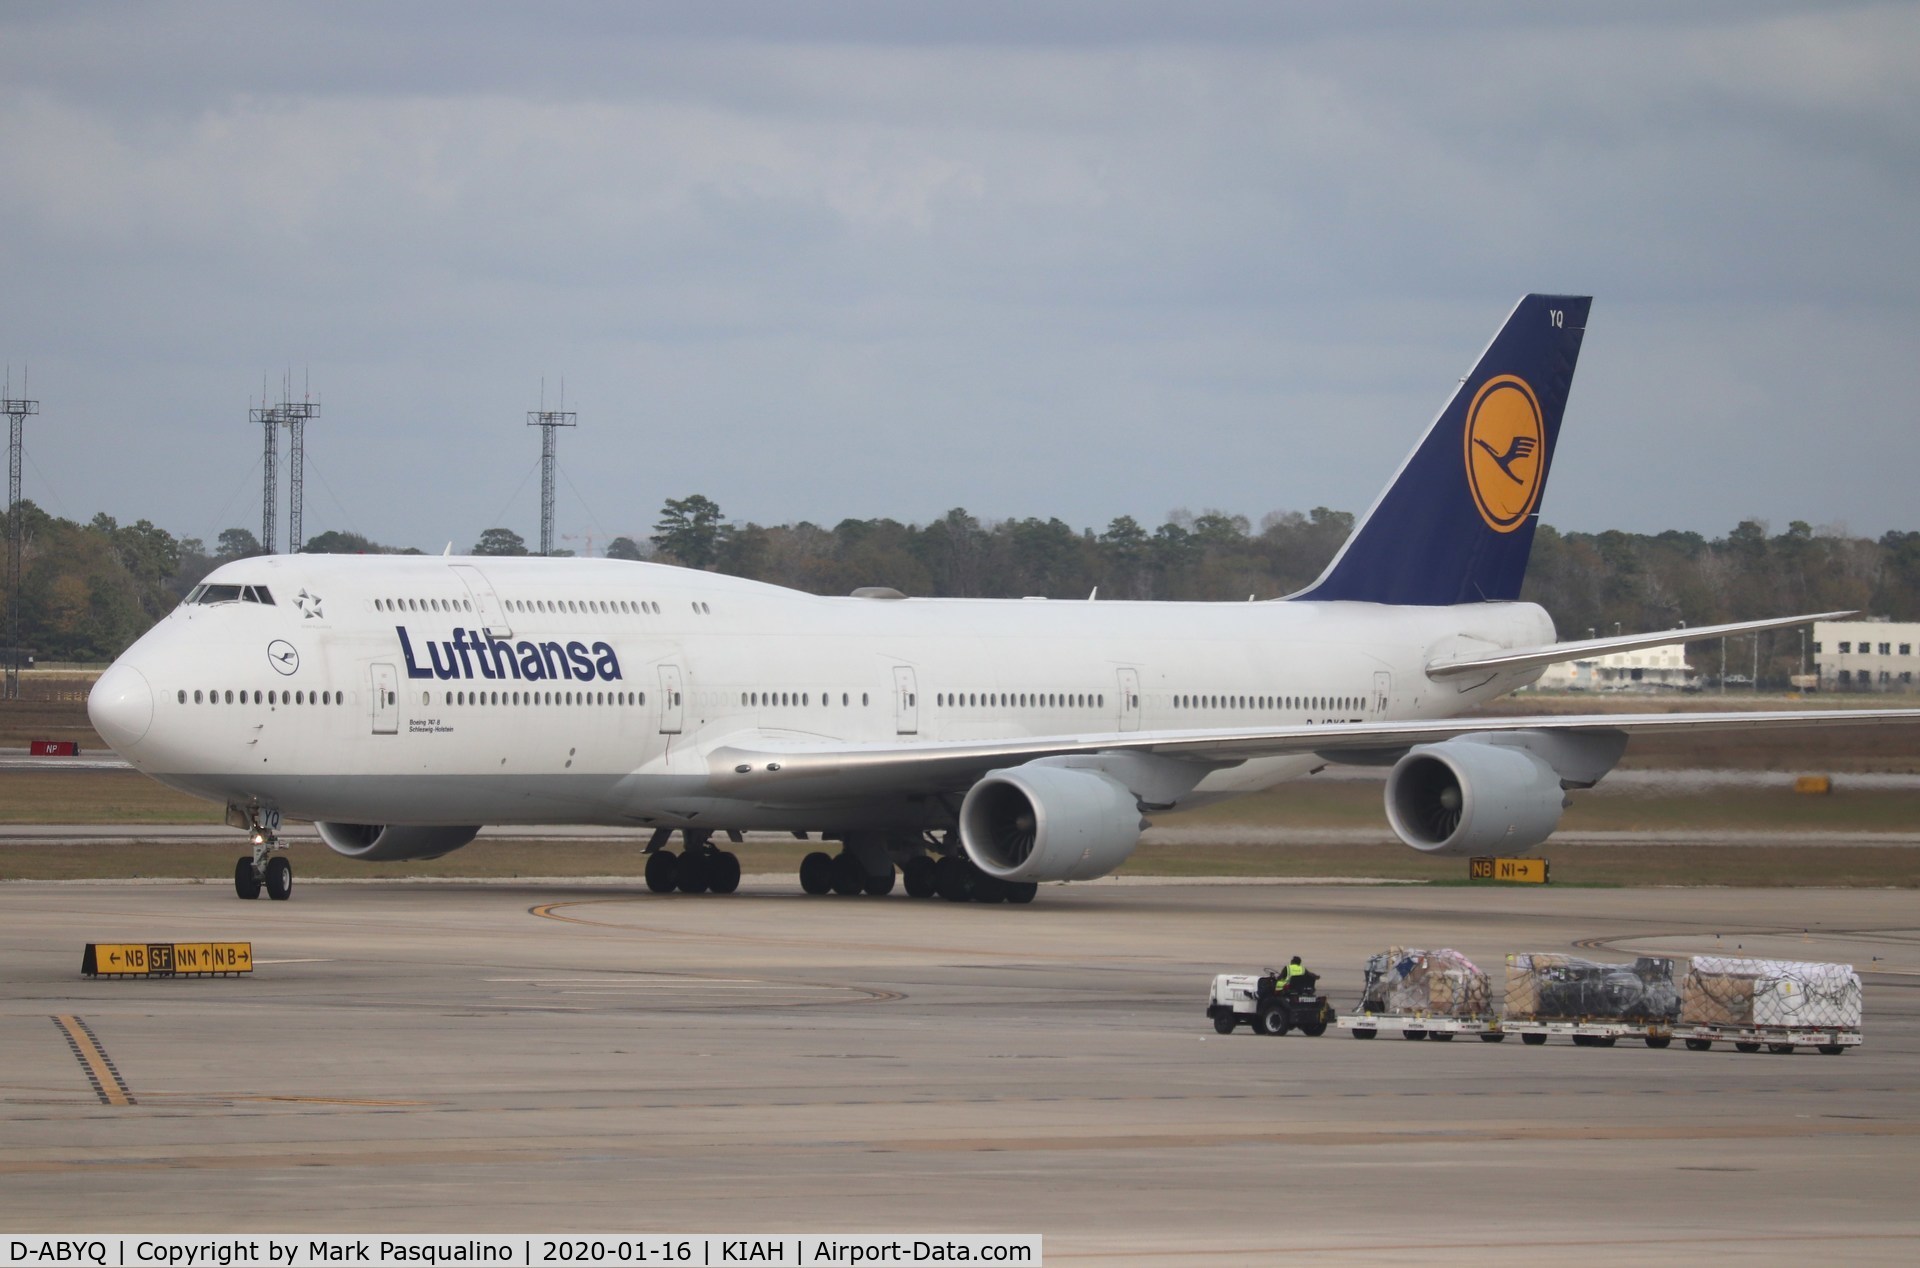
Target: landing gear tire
column 955, row 879
column 663, row 871
column 693, row 874
column 989, row 889
column 849, row 878
column 1223, row 1023
column 879, row 886
column 245, row 883
column 723, row 872
column 919, row 876
column 1022, row 891
column 816, row 873
column 1273, row 1020
column 279, row 879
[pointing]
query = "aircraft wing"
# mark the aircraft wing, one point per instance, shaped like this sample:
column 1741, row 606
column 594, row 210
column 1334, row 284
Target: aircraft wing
column 1581, row 649
column 776, row 769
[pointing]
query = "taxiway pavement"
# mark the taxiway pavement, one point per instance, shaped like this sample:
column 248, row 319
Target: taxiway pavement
column 529, row 1056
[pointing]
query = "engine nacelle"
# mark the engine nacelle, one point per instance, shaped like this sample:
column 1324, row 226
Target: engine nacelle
column 380, row 843
column 1041, row 822
column 1467, row 795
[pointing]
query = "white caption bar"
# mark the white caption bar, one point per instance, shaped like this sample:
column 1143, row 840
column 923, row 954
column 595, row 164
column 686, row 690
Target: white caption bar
column 546, row 1250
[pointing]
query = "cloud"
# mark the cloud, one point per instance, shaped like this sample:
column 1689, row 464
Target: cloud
column 854, row 259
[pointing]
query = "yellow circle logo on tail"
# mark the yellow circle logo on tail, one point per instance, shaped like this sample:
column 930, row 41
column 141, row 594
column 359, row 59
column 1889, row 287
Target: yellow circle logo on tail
column 1506, row 442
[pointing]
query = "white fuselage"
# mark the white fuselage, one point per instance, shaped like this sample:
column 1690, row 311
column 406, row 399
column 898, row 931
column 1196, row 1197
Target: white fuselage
column 605, row 684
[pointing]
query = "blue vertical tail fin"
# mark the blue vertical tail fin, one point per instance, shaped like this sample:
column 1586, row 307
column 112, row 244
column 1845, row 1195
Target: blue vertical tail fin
column 1456, row 524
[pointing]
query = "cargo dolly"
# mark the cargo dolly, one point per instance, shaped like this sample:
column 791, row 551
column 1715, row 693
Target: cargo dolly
column 1589, row 1032
column 1828, row 1040
column 1434, row 1026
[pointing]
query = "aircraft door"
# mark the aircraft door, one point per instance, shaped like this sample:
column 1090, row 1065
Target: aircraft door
column 672, row 711
column 491, row 613
column 1382, row 692
column 1129, row 700
column 386, row 700
column 906, row 701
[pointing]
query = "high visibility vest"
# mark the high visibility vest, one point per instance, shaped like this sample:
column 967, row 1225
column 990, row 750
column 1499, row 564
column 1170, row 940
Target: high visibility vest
column 1292, row 971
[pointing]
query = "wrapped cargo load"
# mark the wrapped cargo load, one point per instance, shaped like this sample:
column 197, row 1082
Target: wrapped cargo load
column 1719, row 991
column 1440, row 983
column 1547, row 987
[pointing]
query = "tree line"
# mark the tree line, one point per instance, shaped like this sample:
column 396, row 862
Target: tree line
column 88, row 590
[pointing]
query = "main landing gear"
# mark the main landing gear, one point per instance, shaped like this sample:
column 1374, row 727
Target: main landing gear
column 865, row 865
column 263, row 869
column 698, row 869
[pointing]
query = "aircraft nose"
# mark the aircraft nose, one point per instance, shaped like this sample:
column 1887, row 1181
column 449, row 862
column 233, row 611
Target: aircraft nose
column 121, row 707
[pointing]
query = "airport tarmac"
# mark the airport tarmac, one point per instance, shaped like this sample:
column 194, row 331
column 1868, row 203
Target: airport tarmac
column 439, row 1057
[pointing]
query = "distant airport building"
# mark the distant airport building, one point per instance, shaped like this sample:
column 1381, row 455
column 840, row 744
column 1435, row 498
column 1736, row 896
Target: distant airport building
column 1872, row 655
column 1649, row 669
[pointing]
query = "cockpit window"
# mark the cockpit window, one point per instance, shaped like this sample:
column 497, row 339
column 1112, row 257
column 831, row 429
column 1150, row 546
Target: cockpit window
column 229, row 594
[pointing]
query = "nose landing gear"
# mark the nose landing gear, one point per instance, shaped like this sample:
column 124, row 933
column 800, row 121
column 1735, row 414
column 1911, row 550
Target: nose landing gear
column 263, row 869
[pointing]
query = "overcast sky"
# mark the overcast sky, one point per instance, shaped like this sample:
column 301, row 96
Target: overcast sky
column 883, row 259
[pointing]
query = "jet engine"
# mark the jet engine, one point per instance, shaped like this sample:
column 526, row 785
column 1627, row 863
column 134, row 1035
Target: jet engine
column 381, row 843
column 1044, row 822
column 1467, row 795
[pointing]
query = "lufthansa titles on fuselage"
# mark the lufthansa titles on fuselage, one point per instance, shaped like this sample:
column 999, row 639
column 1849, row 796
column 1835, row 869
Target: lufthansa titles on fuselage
column 475, row 654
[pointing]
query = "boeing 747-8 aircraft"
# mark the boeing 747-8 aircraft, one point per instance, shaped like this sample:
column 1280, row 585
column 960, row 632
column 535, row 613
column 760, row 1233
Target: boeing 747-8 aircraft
column 975, row 747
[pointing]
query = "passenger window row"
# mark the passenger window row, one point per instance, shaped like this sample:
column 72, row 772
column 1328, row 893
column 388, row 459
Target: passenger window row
column 609, row 607
column 799, row 699
column 1348, row 703
column 423, row 605
column 525, row 698
column 1020, row 700
column 266, row 697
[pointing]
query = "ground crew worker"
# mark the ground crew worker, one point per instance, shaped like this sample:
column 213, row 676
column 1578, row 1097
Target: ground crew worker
column 1291, row 975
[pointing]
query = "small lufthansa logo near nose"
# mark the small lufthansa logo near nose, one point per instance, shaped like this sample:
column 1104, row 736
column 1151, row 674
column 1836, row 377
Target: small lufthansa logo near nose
column 1505, row 443
column 282, row 656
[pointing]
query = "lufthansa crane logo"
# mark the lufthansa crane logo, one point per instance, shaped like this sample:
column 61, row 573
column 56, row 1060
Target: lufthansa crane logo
column 282, row 656
column 1506, row 443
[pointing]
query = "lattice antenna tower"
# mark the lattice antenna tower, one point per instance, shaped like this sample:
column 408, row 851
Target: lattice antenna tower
column 267, row 418
column 295, row 415
column 547, row 420
column 17, row 409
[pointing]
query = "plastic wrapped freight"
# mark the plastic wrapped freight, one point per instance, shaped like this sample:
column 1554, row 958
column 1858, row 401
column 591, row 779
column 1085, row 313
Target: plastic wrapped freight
column 1543, row 987
column 1439, row 983
column 1723, row 992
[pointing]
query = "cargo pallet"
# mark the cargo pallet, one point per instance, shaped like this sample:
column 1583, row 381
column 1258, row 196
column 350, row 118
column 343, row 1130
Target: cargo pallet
column 1422, row 1026
column 1829, row 1041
